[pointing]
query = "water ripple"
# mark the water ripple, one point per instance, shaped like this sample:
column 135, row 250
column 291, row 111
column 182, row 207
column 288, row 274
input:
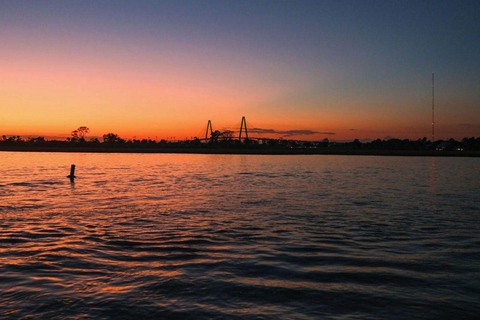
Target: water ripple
column 216, row 237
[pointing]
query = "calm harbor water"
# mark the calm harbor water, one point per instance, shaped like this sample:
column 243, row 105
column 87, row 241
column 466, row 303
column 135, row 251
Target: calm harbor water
column 160, row 236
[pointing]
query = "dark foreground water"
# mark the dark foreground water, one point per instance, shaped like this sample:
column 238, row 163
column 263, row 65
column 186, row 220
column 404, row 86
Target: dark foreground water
column 238, row 237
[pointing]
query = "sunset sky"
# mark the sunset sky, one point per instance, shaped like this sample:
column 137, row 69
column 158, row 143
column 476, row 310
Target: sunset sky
column 297, row 69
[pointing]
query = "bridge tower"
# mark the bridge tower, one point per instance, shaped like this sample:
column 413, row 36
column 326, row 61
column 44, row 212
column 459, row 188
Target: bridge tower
column 242, row 124
column 209, row 125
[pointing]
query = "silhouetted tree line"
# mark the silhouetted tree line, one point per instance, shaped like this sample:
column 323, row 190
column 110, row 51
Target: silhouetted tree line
column 227, row 140
column 466, row 144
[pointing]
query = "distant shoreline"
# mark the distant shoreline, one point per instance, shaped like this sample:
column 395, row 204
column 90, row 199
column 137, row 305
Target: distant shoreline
column 250, row 151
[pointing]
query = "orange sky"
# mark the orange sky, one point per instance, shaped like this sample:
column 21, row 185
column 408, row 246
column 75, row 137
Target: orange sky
column 168, row 84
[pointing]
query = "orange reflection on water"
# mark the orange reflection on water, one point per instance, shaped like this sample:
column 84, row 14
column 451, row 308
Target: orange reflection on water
column 117, row 289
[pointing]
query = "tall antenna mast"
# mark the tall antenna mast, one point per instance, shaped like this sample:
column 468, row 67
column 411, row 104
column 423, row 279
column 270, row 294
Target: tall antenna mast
column 433, row 106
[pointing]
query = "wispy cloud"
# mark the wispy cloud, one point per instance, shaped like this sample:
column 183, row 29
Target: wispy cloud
column 288, row 133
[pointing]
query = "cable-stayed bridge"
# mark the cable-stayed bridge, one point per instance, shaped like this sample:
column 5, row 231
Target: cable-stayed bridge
column 227, row 133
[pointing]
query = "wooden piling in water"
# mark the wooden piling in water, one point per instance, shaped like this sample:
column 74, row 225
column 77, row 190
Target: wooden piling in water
column 72, row 173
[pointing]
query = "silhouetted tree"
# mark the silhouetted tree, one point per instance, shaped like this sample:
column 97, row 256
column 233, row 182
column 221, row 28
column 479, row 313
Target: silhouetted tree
column 325, row 142
column 356, row 143
column 112, row 138
column 75, row 137
column 79, row 134
column 82, row 131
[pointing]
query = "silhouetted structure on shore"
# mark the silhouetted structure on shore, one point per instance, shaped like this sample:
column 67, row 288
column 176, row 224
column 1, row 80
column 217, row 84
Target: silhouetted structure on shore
column 209, row 125
column 225, row 141
column 243, row 125
column 222, row 141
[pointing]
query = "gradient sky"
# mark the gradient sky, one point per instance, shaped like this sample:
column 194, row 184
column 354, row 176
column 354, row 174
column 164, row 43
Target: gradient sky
column 328, row 69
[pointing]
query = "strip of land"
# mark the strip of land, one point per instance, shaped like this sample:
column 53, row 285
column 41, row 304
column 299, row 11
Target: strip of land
column 246, row 150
